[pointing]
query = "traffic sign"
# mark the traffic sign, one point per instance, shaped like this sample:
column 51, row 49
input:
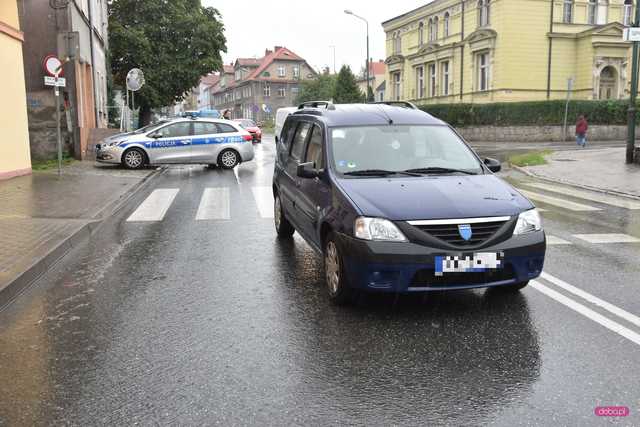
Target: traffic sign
column 135, row 79
column 631, row 34
column 51, row 81
column 52, row 65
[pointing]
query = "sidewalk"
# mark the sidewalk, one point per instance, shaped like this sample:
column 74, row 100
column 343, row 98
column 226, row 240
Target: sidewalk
column 602, row 169
column 43, row 216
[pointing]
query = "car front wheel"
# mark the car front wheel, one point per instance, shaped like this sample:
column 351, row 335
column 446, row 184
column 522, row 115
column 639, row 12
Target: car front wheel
column 228, row 159
column 339, row 291
column 133, row 158
column 283, row 226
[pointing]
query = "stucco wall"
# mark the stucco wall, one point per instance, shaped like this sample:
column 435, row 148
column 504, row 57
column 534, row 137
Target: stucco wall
column 14, row 146
column 540, row 133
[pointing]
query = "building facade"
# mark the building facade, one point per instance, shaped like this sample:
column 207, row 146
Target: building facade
column 509, row 50
column 85, row 94
column 256, row 87
column 14, row 148
column 377, row 75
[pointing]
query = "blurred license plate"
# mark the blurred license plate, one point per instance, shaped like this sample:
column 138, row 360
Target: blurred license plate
column 468, row 263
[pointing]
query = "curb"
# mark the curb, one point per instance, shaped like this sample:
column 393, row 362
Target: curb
column 38, row 268
column 572, row 184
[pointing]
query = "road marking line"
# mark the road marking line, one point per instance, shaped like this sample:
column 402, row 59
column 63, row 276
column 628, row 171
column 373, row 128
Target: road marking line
column 214, row 204
column 553, row 240
column 155, row 206
column 631, row 318
column 607, row 238
column 583, row 194
column 573, row 206
column 587, row 312
column 264, row 199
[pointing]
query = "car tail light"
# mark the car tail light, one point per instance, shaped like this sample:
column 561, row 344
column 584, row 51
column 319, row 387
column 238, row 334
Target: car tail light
column 247, row 137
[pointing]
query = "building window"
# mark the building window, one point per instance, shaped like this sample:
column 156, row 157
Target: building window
column 446, row 25
column 603, row 7
column 295, row 90
column 381, row 96
column 483, row 71
column 432, row 80
column 420, row 82
column 397, row 86
column 266, row 90
column 421, row 34
column 430, row 29
column 483, row 13
column 435, row 28
column 628, row 8
column 296, row 72
column 592, row 12
column 397, row 43
column 567, row 12
column 282, row 72
column 445, row 78
column 282, row 92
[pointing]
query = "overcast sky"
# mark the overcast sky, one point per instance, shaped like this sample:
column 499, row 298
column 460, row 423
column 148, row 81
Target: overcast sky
column 308, row 28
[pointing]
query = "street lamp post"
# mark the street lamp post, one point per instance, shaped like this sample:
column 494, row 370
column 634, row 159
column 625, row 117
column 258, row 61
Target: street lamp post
column 631, row 120
column 349, row 12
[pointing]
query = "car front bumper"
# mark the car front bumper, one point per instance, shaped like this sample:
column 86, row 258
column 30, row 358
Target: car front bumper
column 409, row 267
column 109, row 153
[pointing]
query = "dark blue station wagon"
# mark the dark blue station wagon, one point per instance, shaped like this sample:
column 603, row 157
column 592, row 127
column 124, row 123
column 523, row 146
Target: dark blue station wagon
column 395, row 201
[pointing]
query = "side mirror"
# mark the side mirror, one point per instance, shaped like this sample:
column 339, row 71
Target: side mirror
column 493, row 164
column 306, row 170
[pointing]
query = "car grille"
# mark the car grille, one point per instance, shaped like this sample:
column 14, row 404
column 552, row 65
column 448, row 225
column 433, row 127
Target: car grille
column 426, row 277
column 480, row 232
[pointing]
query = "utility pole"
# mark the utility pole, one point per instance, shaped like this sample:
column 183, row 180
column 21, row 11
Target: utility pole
column 631, row 117
column 349, row 12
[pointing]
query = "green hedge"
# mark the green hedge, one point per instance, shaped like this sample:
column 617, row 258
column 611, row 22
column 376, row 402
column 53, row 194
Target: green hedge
column 532, row 113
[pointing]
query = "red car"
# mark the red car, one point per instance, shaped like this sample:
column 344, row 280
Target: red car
column 252, row 128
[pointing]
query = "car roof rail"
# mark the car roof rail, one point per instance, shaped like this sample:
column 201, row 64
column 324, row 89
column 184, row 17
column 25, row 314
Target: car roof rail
column 403, row 104
column 317, row 104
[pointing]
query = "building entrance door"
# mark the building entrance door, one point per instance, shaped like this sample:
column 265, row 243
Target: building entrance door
column 608, row 83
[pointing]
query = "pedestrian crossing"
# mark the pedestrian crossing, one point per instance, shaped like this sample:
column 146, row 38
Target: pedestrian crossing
column 216, row 205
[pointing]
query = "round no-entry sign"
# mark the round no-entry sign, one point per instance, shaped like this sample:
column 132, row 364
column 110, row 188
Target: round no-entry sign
column 51, row 64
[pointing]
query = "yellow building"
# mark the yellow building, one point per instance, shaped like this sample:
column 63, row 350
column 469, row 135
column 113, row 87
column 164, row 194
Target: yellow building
column 14, row 147
column 508, row 50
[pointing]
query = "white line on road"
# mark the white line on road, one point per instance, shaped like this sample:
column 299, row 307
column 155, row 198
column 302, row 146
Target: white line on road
column 587, row 312
column 588, row 195
column 214, row 204
column 264, row 199
column 566, row 204
column 155, row 206
column 631, row 318
column 553, row 240
column 607, row 238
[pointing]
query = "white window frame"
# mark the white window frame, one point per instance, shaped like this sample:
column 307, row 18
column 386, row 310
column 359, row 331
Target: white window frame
column 483, row 13
column 282, row 91
column 420, row 82
column 627, row 14
column 446, row 24
column 420, row 33
column 397, row 86
column 567, row 11
column 484, row 70
column 603, row 12
column 282, row 71
column 296, row 71
column 432, row 74
column 430, row 29
column 444, row 75
column 592, row 12
column 436, row 23
column 266, row 90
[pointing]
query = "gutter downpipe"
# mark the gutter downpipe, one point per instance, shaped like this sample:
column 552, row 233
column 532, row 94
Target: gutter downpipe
column 93, row 65
column 550, row 50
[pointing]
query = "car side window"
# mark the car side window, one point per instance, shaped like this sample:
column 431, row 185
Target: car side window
column 175, row 130
column 297, row 146
column 314, row 149
column 225, row 128
column 204, row 128
column 287, row 132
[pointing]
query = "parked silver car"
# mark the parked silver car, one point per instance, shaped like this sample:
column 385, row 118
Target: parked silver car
column 222, row 143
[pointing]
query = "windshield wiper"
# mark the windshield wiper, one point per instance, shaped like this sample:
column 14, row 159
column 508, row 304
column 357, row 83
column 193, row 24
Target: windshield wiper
column 439, row 170
column 380, row 172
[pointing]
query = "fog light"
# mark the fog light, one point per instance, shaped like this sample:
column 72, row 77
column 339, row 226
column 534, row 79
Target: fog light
column 382, row 279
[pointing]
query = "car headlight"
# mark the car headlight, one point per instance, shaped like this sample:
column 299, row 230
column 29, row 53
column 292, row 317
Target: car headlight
column 528, row 221
column 377, row 229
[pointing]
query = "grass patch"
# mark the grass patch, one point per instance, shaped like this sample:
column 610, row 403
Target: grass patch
column 43, row 165
column 533, row 158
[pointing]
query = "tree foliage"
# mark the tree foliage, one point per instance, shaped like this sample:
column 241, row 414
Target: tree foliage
column 318, row 89
column 173, row 42
column 346, row 89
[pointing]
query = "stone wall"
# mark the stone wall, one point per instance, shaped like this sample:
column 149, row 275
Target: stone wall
column 41, row 112
column 541, row 133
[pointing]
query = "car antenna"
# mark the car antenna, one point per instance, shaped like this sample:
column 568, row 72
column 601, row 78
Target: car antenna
column 389, row 119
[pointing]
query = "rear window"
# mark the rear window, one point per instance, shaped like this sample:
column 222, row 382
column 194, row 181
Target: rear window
column 225, row 128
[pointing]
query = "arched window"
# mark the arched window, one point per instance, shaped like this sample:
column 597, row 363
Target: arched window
column 397, row 43
column 446, row 25
column 421, row 34
column 430, row 29
column 567, row 12
column 435, row 28
column 592, row 12
column 483, row 13
column 628, row 9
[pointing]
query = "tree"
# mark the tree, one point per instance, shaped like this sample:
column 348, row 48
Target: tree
column 346, row 90
column 173, row 42
column 318, row 89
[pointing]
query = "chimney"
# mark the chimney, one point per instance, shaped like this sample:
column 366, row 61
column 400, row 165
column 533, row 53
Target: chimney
column 276, row 48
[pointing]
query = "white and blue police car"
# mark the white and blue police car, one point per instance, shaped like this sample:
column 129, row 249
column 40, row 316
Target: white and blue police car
column 214, row 142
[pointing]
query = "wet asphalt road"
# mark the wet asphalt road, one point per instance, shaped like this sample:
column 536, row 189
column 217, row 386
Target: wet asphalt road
column 218, row 322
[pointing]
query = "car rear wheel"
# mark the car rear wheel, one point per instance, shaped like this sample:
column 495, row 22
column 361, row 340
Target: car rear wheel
column 339, row 291
column 228, row 159
column 133, row 158
column 283, row 226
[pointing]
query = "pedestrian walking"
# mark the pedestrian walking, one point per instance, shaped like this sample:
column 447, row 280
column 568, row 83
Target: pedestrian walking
column 227, row 114
column 581, row 131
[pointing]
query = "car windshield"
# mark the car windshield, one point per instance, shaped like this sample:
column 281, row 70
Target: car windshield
column 384, row 150
column 149, row 127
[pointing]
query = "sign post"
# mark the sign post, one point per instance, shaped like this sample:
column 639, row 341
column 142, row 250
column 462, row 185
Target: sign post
column 135, row 81
column 53, row 67
column 633, row 35
column 566, row 107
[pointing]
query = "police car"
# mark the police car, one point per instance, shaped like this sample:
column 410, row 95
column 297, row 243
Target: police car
column 220, row 143
column 395, row 201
